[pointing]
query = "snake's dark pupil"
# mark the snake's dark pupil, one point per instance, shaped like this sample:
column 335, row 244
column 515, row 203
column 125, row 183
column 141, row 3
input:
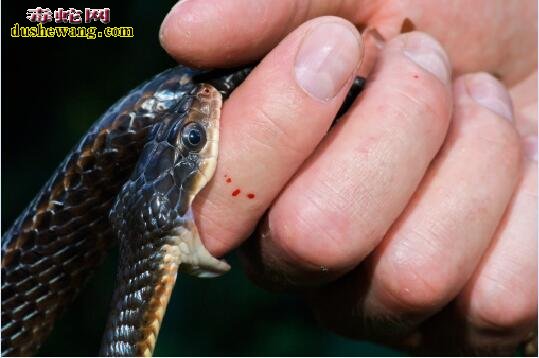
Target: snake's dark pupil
column 194, row 137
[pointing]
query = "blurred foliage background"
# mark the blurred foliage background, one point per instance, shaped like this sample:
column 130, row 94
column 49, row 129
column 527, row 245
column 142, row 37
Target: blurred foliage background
column 53, row 90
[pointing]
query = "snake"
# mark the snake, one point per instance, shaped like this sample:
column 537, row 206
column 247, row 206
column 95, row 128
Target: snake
column 130, row 182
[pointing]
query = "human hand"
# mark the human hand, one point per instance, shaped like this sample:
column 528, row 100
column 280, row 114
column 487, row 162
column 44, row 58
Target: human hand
column 448, row 232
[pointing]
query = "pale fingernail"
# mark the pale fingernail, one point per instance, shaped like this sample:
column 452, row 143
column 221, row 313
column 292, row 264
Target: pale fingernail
column 327, row 58
column 490, row 93
column 428, row 54
column 530, row 147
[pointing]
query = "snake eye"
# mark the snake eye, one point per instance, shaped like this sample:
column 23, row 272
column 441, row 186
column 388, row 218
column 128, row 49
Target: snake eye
column 193, row 136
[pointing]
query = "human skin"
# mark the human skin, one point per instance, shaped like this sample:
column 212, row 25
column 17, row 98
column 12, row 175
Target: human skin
column 414, row 220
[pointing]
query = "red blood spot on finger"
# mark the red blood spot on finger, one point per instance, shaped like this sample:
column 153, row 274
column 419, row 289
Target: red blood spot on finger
column 228, row 180
column 416, row 76
column 236, row 192
column 250, row 195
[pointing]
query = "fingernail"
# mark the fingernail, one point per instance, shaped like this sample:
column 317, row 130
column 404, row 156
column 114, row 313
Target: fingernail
column 428, row 54
column 490, row 93
column 327, row 58
column 530, row 147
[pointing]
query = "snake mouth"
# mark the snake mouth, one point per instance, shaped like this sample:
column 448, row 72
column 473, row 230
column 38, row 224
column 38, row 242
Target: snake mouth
column 206, row 111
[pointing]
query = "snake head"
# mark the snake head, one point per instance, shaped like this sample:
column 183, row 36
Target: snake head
column 175, row 164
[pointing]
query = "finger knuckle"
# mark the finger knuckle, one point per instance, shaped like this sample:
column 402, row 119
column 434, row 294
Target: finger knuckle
column 497, row 306
column 314, row 236
column 411, row 290
column 413, row 281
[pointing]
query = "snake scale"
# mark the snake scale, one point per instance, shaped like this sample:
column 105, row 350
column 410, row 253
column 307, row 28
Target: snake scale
column 130, row 180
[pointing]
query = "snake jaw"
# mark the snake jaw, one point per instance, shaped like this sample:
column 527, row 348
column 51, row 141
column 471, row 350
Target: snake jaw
column 195, row 258
column 206, row 110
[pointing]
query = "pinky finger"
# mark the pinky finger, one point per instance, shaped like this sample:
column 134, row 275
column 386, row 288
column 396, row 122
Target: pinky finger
column 499, row 304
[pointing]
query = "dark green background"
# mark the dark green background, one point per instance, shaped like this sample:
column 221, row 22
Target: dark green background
column 53, row 89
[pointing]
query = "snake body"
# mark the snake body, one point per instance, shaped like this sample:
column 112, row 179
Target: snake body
column 130, row 180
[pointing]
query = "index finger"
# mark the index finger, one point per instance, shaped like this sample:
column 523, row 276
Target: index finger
column 224, row 33
column 241, row 30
